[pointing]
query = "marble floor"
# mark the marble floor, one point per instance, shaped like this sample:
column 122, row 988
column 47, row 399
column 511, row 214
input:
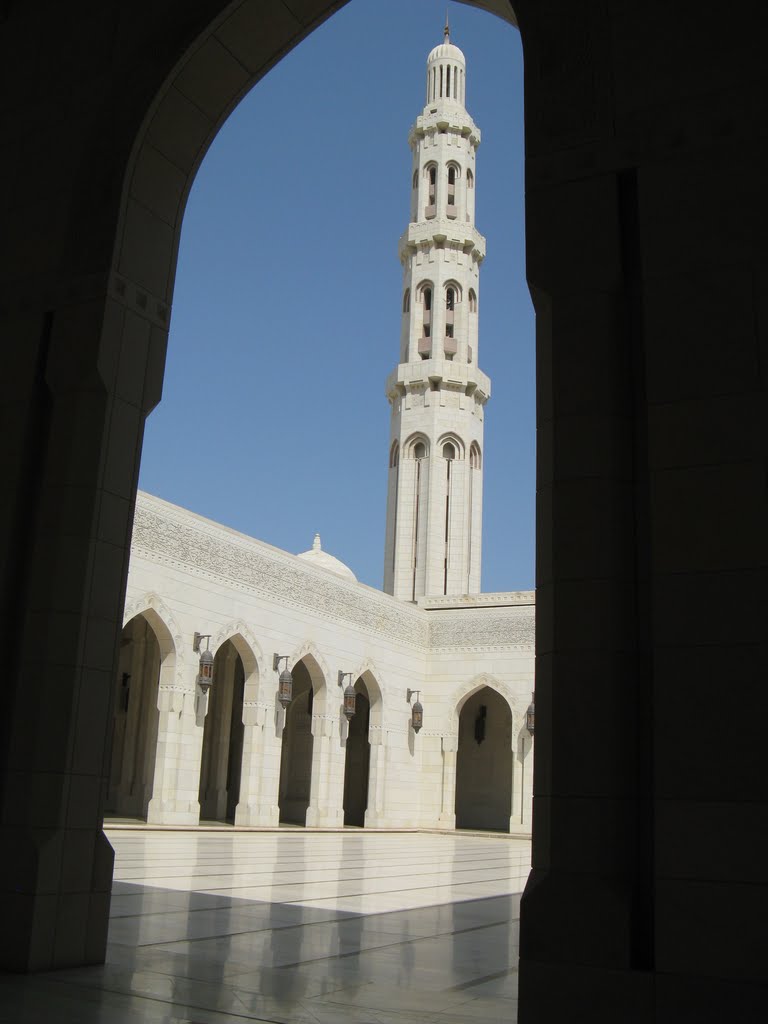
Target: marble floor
column 216, row 927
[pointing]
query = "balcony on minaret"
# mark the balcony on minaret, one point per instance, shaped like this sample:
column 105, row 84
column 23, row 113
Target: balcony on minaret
column 430, row 211
column 425, row 347
column 450, row 347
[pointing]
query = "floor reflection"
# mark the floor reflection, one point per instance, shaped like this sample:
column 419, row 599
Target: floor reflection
column 375, row 928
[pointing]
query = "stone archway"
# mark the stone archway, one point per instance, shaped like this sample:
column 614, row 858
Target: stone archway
column 297, row 750
column 484, row 762
column 222, row 751
column 647, row 251
column 142, row 656
column 357, row 759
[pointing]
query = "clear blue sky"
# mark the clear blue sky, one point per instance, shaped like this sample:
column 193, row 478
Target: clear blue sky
column 286, row 313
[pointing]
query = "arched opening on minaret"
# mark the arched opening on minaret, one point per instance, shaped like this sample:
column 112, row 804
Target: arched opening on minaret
column 222, row 749
column 297, row 750
column 484, row 763
column 145, row 647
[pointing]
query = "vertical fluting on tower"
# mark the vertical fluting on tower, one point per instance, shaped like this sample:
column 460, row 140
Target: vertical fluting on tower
column 437, row 393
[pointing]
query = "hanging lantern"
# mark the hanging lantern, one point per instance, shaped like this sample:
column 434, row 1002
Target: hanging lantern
column 349, row 705
column 205, row 677
column 417, row 716
column 530, row 715
column 350, row 701
column 285, row 687
column 284, row 681
column 417, row 711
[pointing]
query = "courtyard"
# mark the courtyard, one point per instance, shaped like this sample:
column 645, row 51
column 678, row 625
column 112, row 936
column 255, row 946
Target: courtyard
column 213, row 926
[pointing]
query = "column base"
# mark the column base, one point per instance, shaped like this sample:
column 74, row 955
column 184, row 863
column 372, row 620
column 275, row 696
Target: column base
column 550, row 992
column 172, row 812
column 266, row 817
column 324, row 818
column 447, row 821
column 49, row 924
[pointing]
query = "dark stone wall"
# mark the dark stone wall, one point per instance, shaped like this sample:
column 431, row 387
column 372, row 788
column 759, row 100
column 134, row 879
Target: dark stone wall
column 646, row 220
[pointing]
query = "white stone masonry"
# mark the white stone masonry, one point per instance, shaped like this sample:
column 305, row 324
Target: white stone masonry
column 437, row 392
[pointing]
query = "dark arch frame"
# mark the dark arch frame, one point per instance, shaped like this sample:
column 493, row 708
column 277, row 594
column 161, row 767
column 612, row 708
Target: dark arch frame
column 632, row 254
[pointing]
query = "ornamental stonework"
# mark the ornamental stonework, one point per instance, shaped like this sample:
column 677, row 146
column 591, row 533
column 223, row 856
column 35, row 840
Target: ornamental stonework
column 239, row 561
column 475, row 628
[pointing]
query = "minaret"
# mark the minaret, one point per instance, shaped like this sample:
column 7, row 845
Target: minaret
column 438, row 393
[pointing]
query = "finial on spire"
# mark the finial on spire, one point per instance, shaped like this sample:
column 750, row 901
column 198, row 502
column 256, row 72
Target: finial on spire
column 316, row 543
column 447, row 29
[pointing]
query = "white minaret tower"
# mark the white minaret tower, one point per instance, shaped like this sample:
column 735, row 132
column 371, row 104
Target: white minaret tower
column 437, row 392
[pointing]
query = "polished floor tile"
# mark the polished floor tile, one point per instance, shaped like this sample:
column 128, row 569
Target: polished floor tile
column 346, row 927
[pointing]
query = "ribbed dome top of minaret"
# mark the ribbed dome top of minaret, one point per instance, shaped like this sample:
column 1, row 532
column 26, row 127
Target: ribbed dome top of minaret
column 446, row 50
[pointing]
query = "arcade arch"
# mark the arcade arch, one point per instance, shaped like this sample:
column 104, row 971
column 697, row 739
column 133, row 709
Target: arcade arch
column 298, row 741
column 361, row 782
column 146, row 651
column 484, row 762
column 222, row 750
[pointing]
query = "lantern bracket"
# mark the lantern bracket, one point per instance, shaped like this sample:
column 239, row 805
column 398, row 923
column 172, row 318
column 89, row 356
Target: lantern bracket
column 411, row 693
column 198, row 638
column 285, row 680
column 342, row 676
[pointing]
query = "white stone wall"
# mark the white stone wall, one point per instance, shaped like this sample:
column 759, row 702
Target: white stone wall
column 194, row 575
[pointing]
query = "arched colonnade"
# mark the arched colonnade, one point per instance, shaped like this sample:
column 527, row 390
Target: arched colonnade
column 234, row 754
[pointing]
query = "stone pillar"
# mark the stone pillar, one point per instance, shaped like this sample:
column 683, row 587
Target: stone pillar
column 376, row 812
column 260, row 778
column 85, row 375
column 327, row 787
column 450, row 747
column 171, row 803
column 522, row 783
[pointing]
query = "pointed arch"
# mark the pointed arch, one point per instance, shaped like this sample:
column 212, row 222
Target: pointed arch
column 485, row 743
column 410, row 446
column 160, row 617
column 449, row 437
column 301, row 756
column 148, row 668
column 463, row 692
column 249, row 649
column 371, row 676
column 316, row 665
column 457, row 290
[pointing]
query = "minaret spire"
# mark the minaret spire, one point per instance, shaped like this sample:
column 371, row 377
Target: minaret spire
column 437, row 392
column 447, row 29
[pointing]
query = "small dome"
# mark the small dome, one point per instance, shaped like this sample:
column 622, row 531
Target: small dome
column 446, row 51
column 316, row 556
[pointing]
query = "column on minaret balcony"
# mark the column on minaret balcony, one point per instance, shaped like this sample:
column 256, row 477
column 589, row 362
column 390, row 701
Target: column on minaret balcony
column 430, row 209
column 450, row 203
column 405, row 327
column 449, row 344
